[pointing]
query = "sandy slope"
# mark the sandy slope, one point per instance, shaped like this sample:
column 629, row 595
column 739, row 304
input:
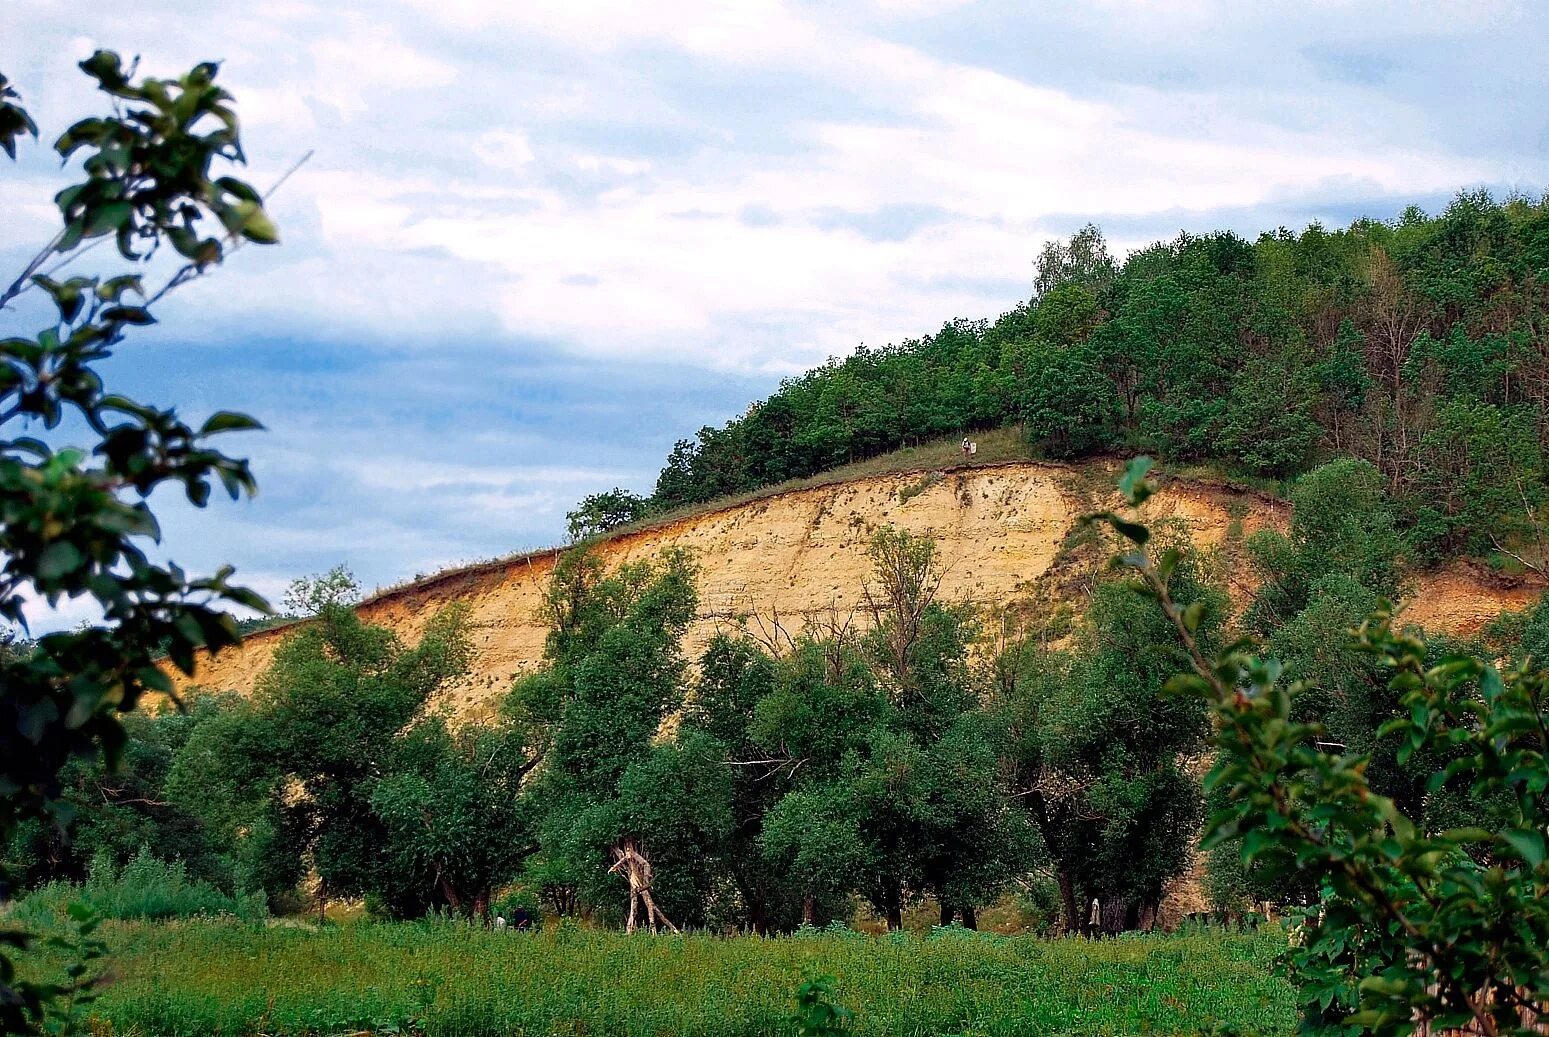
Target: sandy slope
column 800, row 555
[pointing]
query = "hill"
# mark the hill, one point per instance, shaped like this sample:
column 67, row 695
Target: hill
column 797, row 554
column 1416, row 344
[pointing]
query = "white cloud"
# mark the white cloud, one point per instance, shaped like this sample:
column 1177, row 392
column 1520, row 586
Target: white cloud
column 450, row 190
column 748, row 29
column 503, row 149
column 355, row 72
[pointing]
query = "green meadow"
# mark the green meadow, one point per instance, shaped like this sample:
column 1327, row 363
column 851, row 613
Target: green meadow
column 227, row 977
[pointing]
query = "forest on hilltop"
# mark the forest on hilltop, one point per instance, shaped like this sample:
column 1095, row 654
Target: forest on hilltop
column 1420, row 345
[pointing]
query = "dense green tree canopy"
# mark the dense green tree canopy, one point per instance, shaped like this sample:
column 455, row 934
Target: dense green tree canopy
column 1098, row 756
column 1416, row 345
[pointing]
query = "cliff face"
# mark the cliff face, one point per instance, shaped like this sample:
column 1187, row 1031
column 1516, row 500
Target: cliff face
column 801, row 554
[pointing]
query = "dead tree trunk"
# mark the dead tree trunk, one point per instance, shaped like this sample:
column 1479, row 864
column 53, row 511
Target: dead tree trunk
column 636, row 869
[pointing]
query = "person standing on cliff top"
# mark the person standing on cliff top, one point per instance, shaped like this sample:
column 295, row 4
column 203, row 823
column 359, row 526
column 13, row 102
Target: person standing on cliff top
column 967, row 446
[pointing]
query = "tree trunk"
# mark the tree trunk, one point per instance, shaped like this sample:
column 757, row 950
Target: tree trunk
column 453, row 901
column 758, row 915
column 808, row 910
column 970, row 917
column 947, row 914
column 1068, row 903
column 1111, row 913
column 895, row 916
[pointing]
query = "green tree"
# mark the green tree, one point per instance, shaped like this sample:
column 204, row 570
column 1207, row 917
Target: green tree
column 332, row 707
column 1067, row 314
column 1268, row 427
column 598, row 513
column 1480, row 484
column 678, row 801
column 1068, row 407
column 1096, row 756
column 1342, row 524
column 457, row 824
column 225, row 775
column 917, row 646
column 315, row 595
column 76, row 520
column 114, row 812
column 1083, row 261
column 735, row 676
column 820, row 710
column 1417, row 923
column 895, row 789
column 614, row 673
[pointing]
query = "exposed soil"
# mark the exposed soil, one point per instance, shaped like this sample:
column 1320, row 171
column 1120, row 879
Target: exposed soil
column 1003, row 530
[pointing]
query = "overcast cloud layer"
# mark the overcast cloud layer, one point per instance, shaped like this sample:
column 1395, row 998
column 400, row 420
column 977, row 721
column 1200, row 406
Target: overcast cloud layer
column 537, row 242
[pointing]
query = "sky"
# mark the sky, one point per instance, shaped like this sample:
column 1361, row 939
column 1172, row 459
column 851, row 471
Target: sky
column 535, row 243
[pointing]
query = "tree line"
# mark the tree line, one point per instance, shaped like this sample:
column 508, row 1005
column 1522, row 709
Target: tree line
column 914, row 748
column 1420, row 345
column 1422, row 854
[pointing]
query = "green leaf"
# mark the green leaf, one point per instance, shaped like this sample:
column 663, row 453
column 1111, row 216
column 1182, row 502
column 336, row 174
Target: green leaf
column 128, row 315
column 108, row 218
column 1490, row 685
column 67, row 296
column 1130, row 530
column 1186, row 685
column 58, row 559
column 1132, row 484
column 113, row 288
column 1192, row 615
column 249, row 219
column 154, row 679
column 74, row 231
column 260, row 229
column 240, row 188
column 228, row 421
column 1468, row 835
column 1528, row 843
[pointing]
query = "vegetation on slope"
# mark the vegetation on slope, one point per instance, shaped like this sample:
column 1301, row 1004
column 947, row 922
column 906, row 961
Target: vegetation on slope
column 1425, row 882
column 926, row 755
column 1419, row 345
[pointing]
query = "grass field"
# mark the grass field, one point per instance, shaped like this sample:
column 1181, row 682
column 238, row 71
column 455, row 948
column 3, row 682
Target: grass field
column 226, row 977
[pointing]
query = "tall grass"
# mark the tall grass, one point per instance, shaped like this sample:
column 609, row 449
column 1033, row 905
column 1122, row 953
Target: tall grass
column 230, row 978
column 145, row 888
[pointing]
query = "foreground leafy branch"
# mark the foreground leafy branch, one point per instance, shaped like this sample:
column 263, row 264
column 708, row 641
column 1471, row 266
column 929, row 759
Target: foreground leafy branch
column 1447, row 927
column 74, row 520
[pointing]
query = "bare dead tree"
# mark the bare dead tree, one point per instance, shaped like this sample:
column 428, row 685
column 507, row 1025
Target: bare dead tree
column 1530, row 516
column 636, row 869
column 1394, row 320
column 770, row 632
column 837, row 634
column 905, row 582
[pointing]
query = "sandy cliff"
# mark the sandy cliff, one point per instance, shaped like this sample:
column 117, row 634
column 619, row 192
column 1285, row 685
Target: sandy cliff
column 800, row 554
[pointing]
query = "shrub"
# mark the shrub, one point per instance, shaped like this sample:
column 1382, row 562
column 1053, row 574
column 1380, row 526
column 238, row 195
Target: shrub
column 145, row 888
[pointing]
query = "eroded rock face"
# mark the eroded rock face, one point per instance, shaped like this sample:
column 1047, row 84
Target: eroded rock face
column 801, row 555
